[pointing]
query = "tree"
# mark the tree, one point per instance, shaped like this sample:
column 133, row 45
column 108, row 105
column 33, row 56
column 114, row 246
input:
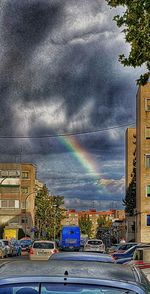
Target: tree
column 103, row 222
column 136, row 26
column 49, row 214
column 85, row 225
column 130, row 198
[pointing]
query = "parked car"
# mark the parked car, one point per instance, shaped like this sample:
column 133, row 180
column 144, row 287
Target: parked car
column 123, row 260
column 120, row 247
column 129, row 253
column 3, row 249
column 113, row 248
column 9, row 247
column 94, row 245
column 42, row 250
column 26, row 245
column 141, row 257
column 58, row 276
column 82, row 256
column 17, row 245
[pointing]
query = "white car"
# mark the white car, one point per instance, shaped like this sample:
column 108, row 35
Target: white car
column 94, row 245
column 42, row 250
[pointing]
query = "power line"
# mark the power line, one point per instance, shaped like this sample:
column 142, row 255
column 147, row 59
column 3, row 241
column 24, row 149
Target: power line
column 68, row 134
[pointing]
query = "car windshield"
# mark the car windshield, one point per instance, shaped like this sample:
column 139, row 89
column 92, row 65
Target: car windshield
column 43, row 245
column 94, row 242
column 26, row 242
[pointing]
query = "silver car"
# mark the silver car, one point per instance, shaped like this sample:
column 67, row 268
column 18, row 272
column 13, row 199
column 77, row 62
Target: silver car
column 94, row 245
column 42, row 250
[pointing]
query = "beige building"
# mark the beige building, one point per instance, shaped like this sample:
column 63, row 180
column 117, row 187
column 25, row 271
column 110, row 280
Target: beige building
column 143, row 164
column 17, row 195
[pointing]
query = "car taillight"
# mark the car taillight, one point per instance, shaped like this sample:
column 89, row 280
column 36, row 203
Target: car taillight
column 114, row 257
column 55, row 251
column 31, row 251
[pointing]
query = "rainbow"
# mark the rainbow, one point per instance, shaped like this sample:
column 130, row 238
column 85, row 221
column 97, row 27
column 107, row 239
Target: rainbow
column 81, row 155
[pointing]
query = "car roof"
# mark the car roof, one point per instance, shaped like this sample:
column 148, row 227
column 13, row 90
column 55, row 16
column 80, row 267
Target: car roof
column 94, row 240
column 45, row 241
column 82, row 256
column 80, row 269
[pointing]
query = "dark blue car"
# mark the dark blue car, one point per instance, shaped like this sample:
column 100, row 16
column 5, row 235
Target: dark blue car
column 128, row 253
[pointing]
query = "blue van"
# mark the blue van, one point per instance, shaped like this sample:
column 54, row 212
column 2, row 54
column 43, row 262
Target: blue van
column 70, row 238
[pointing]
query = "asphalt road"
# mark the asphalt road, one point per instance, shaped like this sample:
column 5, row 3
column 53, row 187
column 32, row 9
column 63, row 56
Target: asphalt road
column 9, row 259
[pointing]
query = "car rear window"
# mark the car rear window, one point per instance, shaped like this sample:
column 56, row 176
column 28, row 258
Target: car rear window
column 95, row 242
column 43, row 245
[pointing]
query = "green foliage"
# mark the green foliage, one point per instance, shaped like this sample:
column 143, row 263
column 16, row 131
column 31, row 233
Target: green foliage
column 130, row 198
column 85, row 225
column 49, row 214
column 103, row 222
column 136, row 26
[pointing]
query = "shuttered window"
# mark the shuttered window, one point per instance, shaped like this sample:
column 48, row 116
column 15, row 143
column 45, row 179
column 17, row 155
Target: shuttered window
column 147, row 104
column 147, row 160
column 147, row 133
column 9, row 203
column 148, row 220
column 148, row 191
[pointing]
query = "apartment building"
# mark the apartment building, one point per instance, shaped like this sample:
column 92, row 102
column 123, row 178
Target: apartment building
column 17, row 195
column 143, row 164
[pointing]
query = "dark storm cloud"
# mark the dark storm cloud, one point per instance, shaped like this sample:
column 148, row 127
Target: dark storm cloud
column 24, row 25
column 82, row 70
column 59, row 74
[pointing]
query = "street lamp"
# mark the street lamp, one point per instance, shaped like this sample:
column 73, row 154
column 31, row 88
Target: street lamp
column 25, row 228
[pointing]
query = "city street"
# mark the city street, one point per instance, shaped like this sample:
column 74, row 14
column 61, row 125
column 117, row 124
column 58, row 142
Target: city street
column 11, row 259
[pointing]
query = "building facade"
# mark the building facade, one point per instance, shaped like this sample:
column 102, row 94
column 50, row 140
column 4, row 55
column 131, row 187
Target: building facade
column 143, row 164
column 17, row 195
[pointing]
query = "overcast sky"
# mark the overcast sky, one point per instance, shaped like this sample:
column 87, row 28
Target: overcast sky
column 59, row 74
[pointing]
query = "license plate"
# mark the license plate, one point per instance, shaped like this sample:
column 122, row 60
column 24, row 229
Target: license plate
column 41, row 253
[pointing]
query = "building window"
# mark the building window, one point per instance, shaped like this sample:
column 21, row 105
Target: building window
column 147, row 160
column 148, row 190
column 147, row 133
column 24, row 220
column 3, row 203
column 148, row 220
column 25, row 175
column 9, row 203
column 24, row 205
column 147, row 104
column 24, row 190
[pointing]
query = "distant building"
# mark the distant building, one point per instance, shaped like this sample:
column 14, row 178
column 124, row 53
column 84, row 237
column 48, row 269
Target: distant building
column 72, row 217
column 17, row 195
